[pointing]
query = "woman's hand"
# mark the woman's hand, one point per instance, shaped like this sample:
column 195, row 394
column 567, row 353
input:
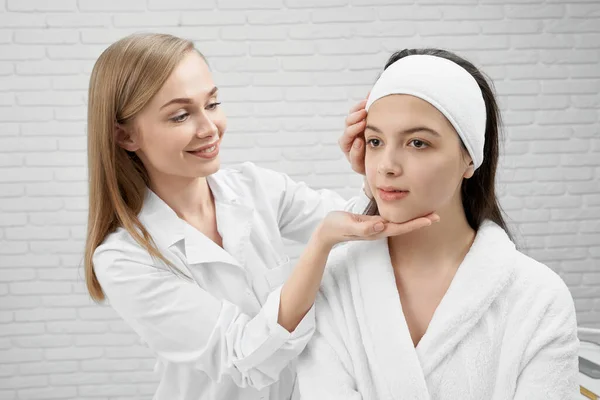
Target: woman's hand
column 352, row 141
column 340, row 226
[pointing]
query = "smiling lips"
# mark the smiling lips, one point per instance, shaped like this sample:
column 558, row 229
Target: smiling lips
column 208, row 152
column 388, row 193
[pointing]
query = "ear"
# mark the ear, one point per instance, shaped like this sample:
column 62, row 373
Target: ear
column 125, row 138
column 469, row 171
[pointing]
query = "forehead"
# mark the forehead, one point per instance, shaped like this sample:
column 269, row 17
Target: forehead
column 403, row 111
column 190, row 78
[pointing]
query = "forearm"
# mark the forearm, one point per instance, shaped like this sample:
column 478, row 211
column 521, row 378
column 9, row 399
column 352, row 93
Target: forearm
column 300, row 290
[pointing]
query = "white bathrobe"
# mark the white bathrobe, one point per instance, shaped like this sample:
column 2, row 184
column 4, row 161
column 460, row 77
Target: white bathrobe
column 505, row 329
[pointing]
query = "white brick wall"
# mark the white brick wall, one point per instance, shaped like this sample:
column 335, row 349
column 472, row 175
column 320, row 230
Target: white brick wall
column 289, row 71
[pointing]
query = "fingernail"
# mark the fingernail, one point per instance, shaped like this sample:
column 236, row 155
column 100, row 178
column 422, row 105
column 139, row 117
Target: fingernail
column 357, row 144
column 378, row 227
column 435, row 219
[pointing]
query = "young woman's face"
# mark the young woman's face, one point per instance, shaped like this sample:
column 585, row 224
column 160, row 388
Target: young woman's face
column 414, row 160
column 179, row 132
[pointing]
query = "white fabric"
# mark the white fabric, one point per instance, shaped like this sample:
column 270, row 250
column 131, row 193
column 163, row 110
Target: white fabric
column 446, row 86
column 505, row 329
column 215, row 332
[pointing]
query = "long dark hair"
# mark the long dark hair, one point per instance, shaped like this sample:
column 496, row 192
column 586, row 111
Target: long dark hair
column 479, row 192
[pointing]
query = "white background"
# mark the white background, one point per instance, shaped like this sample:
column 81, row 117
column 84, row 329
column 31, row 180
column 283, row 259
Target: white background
column 288, row 72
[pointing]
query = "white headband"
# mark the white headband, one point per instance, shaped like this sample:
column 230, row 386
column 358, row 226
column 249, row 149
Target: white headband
column 446, row 86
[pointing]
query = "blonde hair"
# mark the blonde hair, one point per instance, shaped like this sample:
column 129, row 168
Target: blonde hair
column 125, row 78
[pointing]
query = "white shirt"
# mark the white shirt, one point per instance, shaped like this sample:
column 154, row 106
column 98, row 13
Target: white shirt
column 213, row 322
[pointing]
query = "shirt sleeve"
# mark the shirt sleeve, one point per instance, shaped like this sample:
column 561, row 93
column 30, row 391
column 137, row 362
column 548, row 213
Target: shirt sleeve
column 300, row 208
column 182, row 323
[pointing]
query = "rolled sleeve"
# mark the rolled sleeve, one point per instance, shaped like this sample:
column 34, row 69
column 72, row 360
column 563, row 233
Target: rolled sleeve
column 269, row 346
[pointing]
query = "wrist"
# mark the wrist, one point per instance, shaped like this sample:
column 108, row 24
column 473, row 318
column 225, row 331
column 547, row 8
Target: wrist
column 320, row 241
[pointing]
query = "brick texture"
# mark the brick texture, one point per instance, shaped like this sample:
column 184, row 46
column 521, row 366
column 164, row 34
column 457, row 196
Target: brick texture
column 288, row 71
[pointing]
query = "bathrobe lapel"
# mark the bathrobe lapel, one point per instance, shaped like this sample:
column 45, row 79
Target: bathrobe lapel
column 483, row 275
column 384, row 331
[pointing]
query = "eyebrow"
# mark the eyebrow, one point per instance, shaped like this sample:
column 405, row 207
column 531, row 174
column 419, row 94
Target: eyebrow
column 405, row 132
column 187, row 100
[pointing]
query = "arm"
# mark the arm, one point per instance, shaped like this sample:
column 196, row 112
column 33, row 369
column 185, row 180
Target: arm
column 300, row 290
column 302, row 208
column 298, row 208
column 551, row 358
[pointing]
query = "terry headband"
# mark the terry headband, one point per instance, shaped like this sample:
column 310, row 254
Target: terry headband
column 446, row 86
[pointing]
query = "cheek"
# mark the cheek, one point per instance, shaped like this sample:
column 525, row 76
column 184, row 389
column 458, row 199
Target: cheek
column 437, row 183
column 171, row 139
column 163, row 144
column 370, row 169
column 432, row 183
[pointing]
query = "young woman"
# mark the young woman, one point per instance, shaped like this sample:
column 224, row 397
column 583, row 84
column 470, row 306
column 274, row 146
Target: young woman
column 190, row 256
column 452, row 311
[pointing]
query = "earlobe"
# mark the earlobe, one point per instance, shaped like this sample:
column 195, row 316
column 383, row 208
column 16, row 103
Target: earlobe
column 470, row 171
column 124, row 138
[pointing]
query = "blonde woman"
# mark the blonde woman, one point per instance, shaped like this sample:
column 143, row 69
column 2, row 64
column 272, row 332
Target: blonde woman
column 191, row 256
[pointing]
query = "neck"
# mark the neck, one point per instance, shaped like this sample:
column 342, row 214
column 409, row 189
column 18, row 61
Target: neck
column 437, row 247
column 190, row 198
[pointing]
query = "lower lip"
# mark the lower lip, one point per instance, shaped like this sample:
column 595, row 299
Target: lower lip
column 391, row 196
column 207, row 155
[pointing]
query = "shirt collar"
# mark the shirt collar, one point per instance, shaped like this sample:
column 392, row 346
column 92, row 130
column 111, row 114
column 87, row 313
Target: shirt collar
column 166, row 228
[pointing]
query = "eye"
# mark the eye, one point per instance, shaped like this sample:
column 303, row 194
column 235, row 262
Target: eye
column 180, row 118
column 418, row 144
column 374, row 142
column 212, row 106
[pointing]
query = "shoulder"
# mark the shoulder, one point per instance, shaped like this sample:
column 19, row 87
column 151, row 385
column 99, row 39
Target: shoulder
column 117, row 243
column 531, row 281
column 116, row 253
column 539, row 282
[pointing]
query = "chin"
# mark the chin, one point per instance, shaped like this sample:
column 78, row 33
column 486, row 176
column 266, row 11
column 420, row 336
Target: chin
column 207, row 169
column 398, row 215
column 213, row 167
column 395, row 216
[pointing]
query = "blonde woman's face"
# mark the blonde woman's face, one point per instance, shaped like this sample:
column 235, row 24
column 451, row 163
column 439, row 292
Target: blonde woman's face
column 414, row 161
column 178, row 133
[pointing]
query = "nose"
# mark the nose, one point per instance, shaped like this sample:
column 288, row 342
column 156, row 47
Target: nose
column 205, row 127
column 389, row 164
